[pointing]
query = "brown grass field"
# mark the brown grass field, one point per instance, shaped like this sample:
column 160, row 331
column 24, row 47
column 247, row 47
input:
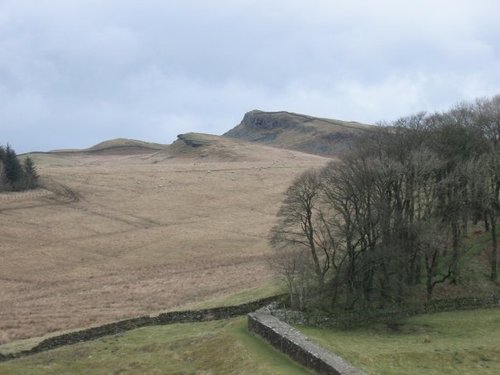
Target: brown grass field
column 116, row 234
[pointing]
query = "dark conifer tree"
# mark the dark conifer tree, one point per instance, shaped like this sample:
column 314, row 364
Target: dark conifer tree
column 13, row 170
column 30, row 172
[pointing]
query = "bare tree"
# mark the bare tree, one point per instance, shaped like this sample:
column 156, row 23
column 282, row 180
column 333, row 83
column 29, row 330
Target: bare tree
column 293, row 266
column 394, row 209
column 300, row 222
column 488, row 120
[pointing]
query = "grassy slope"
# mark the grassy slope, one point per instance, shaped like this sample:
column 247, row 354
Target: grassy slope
column 466, row 342
column 247, row 295
column 244, row 296
column 143, row 238
column 221, row 347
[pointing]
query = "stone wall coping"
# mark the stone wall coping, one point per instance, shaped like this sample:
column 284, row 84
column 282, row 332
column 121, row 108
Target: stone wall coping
column 293, row 335
column 298, row 346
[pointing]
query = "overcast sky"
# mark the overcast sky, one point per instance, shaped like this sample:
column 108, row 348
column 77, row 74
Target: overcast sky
column 77, row 72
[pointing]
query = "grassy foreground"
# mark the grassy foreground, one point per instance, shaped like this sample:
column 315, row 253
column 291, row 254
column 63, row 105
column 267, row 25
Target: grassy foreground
column 219, row 347
column 465, row 342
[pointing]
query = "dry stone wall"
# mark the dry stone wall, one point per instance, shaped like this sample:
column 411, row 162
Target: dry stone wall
column 189, row 316
column 262, row 322
column 293, row 343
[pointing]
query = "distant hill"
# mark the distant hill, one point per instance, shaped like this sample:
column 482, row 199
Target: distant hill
column 199, row 145
column 189, row 146
column 285, row 130
column 117, row 146
column 216, row 148
column 297, row 132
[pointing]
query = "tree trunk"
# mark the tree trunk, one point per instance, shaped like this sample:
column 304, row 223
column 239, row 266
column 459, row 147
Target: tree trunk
column 455, row 228
column 312, row 246
column 494, row 256
column 429, row 286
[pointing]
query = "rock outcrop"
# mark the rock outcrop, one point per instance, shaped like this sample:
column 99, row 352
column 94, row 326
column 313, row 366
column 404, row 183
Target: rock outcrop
column 297, row 132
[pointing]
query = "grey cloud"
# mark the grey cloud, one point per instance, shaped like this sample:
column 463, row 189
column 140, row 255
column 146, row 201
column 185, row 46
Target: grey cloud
column 73, row 73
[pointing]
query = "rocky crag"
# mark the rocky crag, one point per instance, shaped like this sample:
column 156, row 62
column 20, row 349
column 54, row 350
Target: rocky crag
column 297, row 132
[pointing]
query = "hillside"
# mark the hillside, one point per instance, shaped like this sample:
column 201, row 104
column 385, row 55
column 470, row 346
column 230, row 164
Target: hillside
column 297, row 132
column 206, row 146
column 116, row 146
column 160, row 226
column 283, row 130
column 115, row 235
column 211, row 148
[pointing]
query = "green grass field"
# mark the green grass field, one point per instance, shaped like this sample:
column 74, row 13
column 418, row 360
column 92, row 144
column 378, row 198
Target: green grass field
column 245, row 296
column 465, row 342
column 219, row 347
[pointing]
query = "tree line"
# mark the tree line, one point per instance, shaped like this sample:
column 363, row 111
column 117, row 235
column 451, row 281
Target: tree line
column 14, row 174
column 386, row 223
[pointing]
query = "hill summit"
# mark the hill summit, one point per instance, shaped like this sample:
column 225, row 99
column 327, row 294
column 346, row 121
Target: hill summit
column 297, row 132
column 196, row 146
column 115, row 146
